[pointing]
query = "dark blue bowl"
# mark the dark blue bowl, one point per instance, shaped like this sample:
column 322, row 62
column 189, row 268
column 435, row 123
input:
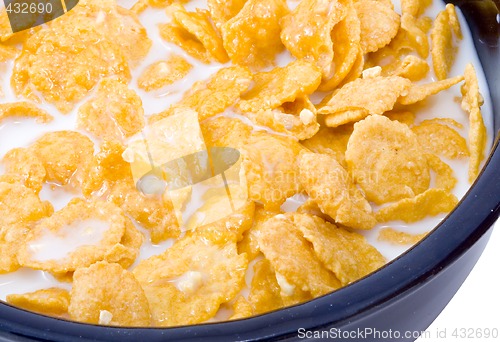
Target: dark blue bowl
column 405, row 295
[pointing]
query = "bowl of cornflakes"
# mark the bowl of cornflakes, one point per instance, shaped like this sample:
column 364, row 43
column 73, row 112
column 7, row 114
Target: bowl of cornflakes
column 243, row 169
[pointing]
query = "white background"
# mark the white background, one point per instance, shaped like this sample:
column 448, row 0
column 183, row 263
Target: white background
column 477, row 303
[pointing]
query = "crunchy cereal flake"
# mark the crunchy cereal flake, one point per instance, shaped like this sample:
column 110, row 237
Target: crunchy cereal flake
column 25, row 110
column 445, row 178
column 163, row 73
column 53, row 301
column 419, row 92
column 398, row 237
column 441, row 139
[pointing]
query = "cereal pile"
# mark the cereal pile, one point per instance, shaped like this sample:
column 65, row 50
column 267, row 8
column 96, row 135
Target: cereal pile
column 337, row 128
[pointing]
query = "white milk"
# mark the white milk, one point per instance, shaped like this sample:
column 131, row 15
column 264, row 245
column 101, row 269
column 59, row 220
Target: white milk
column 20, row 132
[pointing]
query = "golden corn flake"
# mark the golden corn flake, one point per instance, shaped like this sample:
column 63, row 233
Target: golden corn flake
column 189, row 281
column 441, row 139
column 283, row 84
column 241, row 309
column 443, row 49
column 386, row 160
column 445, row 177
column 10, row 239
column 163, row 73
column 317, row 18
column 53, row 301
column 419, row 92
column 126, row 252
column 194, row 32
column 415, row 35
column 107, row 294
column 252, row 37
column 24, row 110
column 411, row 67
column 23, row 163
column 346, row 36
column 115, row 113
column 471, row 103
column 302, row 126
column 346, row 254
column 345, row 117
column 414, row 8
column 454, row 21
column 249, row 244
column 375, row 95
column 225, row 132
column 76, row 236
column 429, row 203
column 213, row 96
column 329, row 185
column 223, row 10
column 379, row 24
column 331, row 141
column 65, row 156
column 270, row 164
column 264, row 291
column 398, row 237
column 290, row 254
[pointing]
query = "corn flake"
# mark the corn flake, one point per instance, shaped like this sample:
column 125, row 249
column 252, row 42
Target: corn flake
column 386, row 160
column 23, row 163
column 249, row 244
column 189, row 281
column 443, row 50
column 194, row 32
column 290, row 254
column 471, row 103
column 252, row 37
column 107, row 294
column 419, row 92
column 329, row 185
column 441, row 139
column 281, row 85
column 413, row 35
column 52, row 301
column 331, row 141
column 317, row 18
column 241, row 309
column 225, row 132
column 405, row 117
column 163, row 73
column 414, row 8
column 348, row 255
column 100, row 223
column 25, row 110
column 115, row 113
column 445, row 178
column 264, row 291
column 379, row 24
column 398, row 237
column 375, row 95
column 411, row 67
column 429, row 203
column 223, row 10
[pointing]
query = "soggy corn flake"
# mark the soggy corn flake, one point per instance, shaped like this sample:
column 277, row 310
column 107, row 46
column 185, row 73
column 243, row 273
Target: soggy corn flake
column 65, row 156
column 375, row 95
column 264, row 290
column 23, row 163
column 346, row 36
column 163, row 73
column 241, row 309
column 443, row 49
column 331, row 141
column 76, row 236
column 441, row 139
column 108, row 287
column 270, row 164
column 52, row 301
column 445, row 178
column 398, row 237
column 329, row 185
column 386, row 160
column 471, row 103
column 306, row 31
column 225, row 132
column 194, row 32
column 252, row 37
column 429, row 203
column 10, row 239
column 379, row 24
column 189, row 281
column 115, row 113
column 126, row 252
column 348, row 255
column 223, row 10
column 24, row 110
column 283, row 244
column 249, row 244
column 281, row 85
column 213, row 96
column 419, row 92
